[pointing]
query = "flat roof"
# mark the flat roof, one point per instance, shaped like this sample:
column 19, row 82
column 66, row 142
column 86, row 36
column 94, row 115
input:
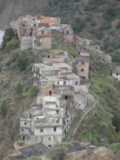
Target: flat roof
column 61, row 65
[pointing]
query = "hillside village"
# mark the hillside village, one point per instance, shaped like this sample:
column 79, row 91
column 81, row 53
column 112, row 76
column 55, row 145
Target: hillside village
column 62, row 80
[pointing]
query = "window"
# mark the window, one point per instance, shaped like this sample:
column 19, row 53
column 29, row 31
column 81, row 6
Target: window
column 82, row 70
column 67, row 32
column 49, row 146
column 76, row 82
column 57, row 121
column 25, row 123
column 41, row 130
column 66, row 97
column 49, row 138
column 22, row 130
column 64, row 82
column 50, row 92
column 83, row 63
column 54, row 129
column 57, row 82
column 42, row 32
column 57, row 111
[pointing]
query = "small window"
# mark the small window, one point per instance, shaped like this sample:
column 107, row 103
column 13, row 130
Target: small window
column 67, row 32
column 64, row 82
column 57, row 82
column 42, row 32
column 50, row 92
column 83, row 63
column 49, row 138
column 82, row 70
column 29, row 130
column 57, row 121
column 54, row 129
column 76, row 82
column 22, row 130
column 41, row 130
column 57, row 111
column 66, row 97
column 25, row 123
column 48, row 56
column 49, row 146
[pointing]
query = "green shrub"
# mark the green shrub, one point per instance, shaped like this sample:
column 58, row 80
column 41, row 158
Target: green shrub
column 19, row 89
column 59, row 151
column 8, row 36
column 118, row 26
column 4, row 107
column 12, row 45
column 34, row 158
column 115, row 147
column 78, row 24
column 32, row 92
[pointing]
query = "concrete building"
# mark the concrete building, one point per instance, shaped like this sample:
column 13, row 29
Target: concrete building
column 54, row 74
column 116, row 73
column 44, row 122
column 83, row 65
column 42, row 39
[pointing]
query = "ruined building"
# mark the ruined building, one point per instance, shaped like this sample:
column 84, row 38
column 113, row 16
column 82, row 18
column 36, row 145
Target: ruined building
column 82, row 65
column 46, row 122
column 42, row 39
column 55, row 74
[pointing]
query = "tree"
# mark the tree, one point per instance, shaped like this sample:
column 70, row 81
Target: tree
column 4, row 108
column 9, row 34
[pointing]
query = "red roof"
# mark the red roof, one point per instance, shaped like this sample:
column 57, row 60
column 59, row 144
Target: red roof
column 48, row 20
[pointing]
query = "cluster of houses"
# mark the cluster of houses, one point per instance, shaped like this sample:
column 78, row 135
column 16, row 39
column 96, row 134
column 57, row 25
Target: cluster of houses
column 52, row 112
column 61, row 94
column 36, row 32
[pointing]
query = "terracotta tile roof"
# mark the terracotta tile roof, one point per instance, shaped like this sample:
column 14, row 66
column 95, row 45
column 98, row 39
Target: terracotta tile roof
column 49, row 20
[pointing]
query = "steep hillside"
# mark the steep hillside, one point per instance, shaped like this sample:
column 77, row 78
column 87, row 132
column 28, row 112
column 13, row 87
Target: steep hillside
column 15, row 8
column 98, row 20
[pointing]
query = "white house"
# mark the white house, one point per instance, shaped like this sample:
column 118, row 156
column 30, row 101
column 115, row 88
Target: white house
column 116, row 73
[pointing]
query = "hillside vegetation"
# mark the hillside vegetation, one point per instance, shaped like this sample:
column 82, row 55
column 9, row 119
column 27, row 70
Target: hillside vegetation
column 92, row 19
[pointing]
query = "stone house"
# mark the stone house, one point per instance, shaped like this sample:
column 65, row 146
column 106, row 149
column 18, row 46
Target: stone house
column 42, row 39
column 67, row 33
column 116, row 73
column 83, row 65
column 44, row 122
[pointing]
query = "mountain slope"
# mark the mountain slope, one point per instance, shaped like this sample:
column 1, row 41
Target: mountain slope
column 14, row 8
